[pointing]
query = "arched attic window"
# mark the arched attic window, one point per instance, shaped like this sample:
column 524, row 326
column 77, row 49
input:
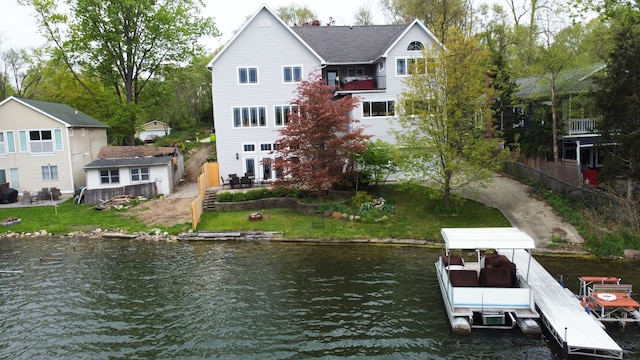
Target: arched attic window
column 415, row 45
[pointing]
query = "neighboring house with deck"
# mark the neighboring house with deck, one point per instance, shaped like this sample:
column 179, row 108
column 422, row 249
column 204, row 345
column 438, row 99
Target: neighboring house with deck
column 133, row 170
column 45, row 144
column 256, row 74
column 576, row 110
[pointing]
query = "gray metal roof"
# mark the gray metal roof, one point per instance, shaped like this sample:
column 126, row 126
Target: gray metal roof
column 350, row 44
column 64, row 113
column 128, row 162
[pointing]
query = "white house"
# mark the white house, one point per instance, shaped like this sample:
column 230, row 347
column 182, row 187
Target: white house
column 256, row 74
column 152, row 130
column 45, row 144
column 123, row 166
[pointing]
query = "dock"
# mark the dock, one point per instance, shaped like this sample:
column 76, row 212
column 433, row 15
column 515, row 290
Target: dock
column 561, row 312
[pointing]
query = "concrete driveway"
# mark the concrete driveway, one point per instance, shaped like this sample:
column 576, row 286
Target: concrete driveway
column 532, row 216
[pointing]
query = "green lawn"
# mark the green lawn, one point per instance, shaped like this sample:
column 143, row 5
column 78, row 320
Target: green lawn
column 417, row 217
column 68, row 217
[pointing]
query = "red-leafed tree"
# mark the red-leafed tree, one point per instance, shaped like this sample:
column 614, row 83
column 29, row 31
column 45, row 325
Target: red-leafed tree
column 319, row 139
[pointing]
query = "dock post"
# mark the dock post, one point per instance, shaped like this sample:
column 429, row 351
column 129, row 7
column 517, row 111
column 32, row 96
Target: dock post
column 565, row 346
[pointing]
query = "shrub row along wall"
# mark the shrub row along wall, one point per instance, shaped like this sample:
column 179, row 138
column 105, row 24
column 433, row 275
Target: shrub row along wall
column 269, row 203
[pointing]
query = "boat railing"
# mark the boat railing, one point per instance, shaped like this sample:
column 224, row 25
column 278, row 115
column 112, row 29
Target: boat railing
column 490, row 298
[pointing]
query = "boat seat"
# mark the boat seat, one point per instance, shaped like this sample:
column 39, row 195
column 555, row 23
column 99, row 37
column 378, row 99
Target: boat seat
column 464, row 278
column 496, row 277
column 452, row 260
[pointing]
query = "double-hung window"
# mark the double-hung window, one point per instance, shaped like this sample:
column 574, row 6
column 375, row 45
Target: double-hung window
column 3, row 145
column 109, row 176
column 139, row 174
column 406, row 66
column 282, row 114
column 378, row 108
column 250, row 116
column 248, row 75
column 41, row 141
column 49, row 172
column 292, row 74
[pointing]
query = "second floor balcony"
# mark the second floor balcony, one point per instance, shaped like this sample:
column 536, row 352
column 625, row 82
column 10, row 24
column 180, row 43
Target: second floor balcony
column 584, row 126
column 354, row 78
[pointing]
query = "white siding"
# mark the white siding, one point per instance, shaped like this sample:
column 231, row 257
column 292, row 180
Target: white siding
column 159, row 174
column 268, row 48
column 265, row 43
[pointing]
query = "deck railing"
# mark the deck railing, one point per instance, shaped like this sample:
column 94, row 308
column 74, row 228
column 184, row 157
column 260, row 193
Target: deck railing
column 580, row 126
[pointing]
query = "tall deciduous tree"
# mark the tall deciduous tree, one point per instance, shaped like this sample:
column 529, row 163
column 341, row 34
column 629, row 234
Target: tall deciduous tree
column 124, row 42
column 363, row 16
column 294, row 15
column 444, row 115
column 319, row 138
column 618, row 99
column 437, row 15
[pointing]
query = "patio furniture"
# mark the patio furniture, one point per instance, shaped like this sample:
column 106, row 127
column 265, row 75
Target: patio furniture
column 223, row 182
column 55, row 193
column 44, row 194
column 26, row 197
column 235, row 181
column 246, row 181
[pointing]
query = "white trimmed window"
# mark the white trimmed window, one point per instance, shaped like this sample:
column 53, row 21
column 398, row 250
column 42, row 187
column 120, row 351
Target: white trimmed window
column 139, row 174
column 249, row 148
column 49, row 172
column 109, row 176
column 41, row 141
column 252, row 116
column 291, row 74
column 282, row 114
column 247, row 75
column 3, row 145
column 266, row 147
column 415, row 46
column 378, row 108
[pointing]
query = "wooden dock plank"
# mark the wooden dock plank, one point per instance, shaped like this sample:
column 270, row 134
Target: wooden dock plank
column 562, row 310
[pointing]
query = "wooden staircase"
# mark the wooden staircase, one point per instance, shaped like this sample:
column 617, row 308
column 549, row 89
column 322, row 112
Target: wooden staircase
column 209, row 202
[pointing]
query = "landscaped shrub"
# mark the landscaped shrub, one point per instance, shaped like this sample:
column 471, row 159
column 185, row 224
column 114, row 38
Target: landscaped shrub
column 360, row 198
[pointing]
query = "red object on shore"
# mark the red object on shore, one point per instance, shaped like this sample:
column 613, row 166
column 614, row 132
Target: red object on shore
column 591, row 177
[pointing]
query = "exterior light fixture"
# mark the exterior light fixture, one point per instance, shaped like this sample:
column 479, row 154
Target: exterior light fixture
column 237, row 156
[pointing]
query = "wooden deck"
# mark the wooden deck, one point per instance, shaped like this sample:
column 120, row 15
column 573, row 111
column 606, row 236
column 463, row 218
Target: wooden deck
column 562, row 313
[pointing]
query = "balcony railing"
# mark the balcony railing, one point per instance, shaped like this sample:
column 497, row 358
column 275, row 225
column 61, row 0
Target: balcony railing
column 580, row 126
column 361, row 83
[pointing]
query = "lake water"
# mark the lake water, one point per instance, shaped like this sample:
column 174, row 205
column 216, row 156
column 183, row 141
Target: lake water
column 122, row 299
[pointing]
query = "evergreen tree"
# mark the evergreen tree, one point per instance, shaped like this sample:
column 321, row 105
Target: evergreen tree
column 618, row 98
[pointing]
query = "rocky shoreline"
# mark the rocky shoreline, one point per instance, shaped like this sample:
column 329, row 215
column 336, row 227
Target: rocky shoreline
column 261, row 236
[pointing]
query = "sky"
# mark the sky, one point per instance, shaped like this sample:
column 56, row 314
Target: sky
column 18, row 27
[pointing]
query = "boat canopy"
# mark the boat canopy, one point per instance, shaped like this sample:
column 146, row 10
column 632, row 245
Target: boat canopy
column 487, row 238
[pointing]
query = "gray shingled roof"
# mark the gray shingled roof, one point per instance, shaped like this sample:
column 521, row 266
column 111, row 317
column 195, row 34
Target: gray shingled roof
column 120, row 152
column 67, row 114
column 128, row 162
column 350, row 44
column 571, row 81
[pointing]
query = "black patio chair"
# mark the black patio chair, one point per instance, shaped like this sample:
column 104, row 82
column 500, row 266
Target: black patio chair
column 235, row 181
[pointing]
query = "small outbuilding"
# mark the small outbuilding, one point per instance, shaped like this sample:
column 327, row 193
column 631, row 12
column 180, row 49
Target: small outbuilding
column 153, row 130
column 133, row 170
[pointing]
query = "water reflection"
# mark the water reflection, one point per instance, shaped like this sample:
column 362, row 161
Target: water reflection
column 129, row 299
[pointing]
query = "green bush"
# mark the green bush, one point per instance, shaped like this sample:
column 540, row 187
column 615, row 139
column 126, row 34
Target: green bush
column 359, row 199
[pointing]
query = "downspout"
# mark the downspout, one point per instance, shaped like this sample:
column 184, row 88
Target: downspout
column 66, row 135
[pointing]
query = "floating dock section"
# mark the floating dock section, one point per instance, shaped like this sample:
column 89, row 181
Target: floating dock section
column 575, row 330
